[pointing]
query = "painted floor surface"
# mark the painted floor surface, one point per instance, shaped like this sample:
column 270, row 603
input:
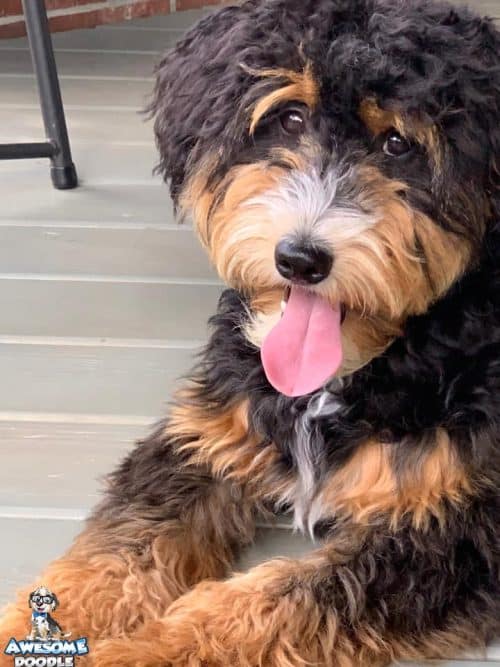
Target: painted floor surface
column 104, row 298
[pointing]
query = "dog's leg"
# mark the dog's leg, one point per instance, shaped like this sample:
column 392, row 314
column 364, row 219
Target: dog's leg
column 175, row 513
column 393, row 596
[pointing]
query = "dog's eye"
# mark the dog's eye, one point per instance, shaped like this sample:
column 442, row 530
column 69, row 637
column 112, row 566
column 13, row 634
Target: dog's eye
column 293, row 122
column 396, row 145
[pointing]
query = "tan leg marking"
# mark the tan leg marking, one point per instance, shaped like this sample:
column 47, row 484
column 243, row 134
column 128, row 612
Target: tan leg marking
column 128, row 566
column 265, row 618
column 228, row 447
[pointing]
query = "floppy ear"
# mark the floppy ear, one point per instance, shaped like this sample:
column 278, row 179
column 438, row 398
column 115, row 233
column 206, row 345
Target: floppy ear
column 55, row 602
column 208, row 84
column 194, row 92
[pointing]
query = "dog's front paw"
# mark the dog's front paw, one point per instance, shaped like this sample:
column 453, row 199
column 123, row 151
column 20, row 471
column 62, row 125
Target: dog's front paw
column 146, row 648
column 124, row 653
column 217, row 624
column 198, row 631
column 134, row 652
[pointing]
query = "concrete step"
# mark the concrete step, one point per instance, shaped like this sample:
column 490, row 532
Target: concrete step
column 114, row 308
column 54, row 468
column 120, row 379
column 115, row 94
column 97, row 163
column 87, row 127
column 126, row 250
column 111, row 203
column 74, row 62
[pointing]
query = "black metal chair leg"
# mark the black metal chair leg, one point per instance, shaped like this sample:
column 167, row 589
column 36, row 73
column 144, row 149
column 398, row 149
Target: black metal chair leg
column 57, row 146
column 63, row 170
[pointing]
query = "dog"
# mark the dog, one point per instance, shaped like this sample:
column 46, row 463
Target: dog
column 340, row 160
column 43, row 626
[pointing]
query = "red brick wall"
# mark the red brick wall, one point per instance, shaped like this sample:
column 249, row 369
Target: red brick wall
column 70, row 14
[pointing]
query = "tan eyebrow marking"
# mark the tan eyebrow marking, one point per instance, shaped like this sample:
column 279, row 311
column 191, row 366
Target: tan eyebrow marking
column 379, row 120
column 301, row 87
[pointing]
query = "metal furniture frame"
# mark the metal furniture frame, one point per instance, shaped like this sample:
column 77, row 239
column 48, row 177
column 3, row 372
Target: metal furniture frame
column 57, row 147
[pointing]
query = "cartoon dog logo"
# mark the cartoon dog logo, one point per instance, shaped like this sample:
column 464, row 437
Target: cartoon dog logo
column 43, row 626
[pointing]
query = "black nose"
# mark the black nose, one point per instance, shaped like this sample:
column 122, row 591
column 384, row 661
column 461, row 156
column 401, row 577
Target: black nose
column 301, row 262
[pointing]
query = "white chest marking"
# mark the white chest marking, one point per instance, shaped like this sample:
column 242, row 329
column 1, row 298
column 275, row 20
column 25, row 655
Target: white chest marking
column 308, row 449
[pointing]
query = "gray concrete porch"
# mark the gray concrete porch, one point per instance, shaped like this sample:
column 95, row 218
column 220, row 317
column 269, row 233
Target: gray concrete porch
column 104, row 297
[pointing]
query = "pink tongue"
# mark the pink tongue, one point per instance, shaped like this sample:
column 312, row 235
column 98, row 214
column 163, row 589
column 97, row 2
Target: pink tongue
column 304, row 349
